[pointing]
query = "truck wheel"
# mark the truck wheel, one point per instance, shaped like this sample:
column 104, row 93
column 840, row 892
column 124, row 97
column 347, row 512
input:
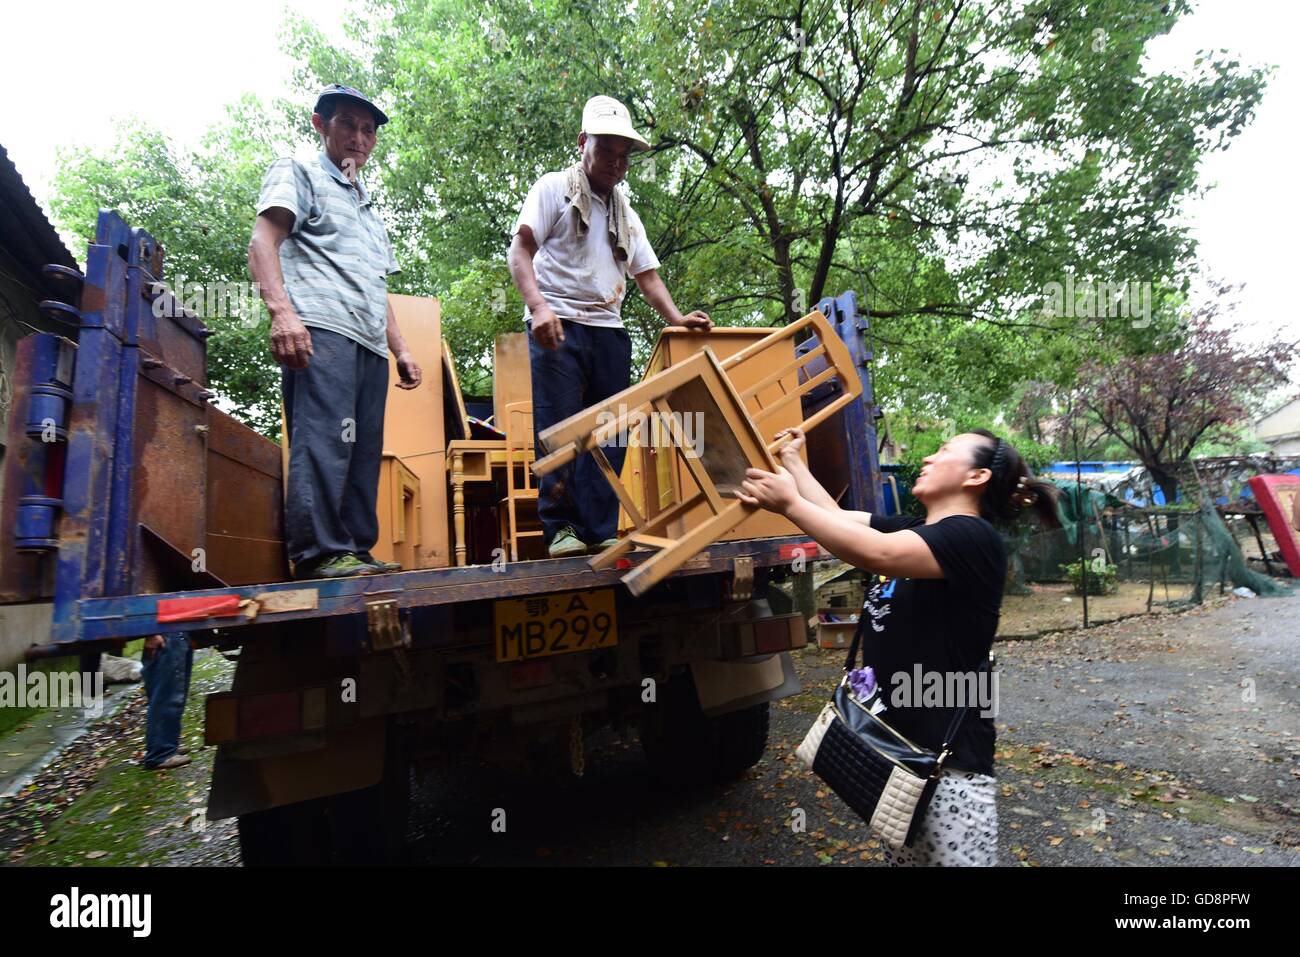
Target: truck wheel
column 742, row 739
column 368, row 826
column 284, row 836
column 683, row 744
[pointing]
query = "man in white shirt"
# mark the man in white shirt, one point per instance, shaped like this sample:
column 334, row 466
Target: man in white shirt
column 575, row 243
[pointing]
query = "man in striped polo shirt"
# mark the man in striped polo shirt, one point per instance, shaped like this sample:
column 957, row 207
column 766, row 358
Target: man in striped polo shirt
column 321, row 256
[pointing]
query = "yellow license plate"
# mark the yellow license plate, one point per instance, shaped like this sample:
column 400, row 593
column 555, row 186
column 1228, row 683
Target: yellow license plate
column 554, row 624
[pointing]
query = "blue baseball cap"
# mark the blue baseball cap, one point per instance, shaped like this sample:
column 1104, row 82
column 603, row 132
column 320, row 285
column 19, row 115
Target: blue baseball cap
column 338, row 91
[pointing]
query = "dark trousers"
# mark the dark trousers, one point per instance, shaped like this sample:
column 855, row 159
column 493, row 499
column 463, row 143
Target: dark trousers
column 591, row 364
column 166, row 675
column 334, row 415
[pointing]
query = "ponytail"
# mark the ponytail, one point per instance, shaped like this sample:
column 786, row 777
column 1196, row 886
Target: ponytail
column 1012, row 488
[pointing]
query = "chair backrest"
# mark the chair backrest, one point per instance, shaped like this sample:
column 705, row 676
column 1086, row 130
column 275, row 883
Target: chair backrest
column 828, row 361
column 518, row 427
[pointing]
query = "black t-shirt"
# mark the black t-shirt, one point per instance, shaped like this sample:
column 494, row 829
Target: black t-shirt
column 927, row 638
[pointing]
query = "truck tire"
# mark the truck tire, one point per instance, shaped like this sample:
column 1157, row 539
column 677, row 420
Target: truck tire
column 684, row 745
column 742, row 739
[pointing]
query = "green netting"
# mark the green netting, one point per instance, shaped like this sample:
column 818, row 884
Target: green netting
column 1190, row 547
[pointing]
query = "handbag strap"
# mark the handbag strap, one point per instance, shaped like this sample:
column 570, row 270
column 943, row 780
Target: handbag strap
column 955, row 725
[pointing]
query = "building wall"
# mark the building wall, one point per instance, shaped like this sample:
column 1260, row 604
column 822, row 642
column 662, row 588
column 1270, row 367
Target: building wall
column 22, row 626
column 1281, row 428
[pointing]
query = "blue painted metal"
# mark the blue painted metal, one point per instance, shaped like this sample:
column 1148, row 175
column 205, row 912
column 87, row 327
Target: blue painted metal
column 122, row 533
column 85, row 548
column 859, row 418
column 130, row 616
column 45, row 423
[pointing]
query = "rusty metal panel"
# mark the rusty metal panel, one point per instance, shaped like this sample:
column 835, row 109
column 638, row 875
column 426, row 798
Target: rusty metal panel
column 245, row 504
column 169, row 480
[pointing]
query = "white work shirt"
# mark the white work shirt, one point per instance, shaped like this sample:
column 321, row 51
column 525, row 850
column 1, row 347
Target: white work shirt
column 576, row 271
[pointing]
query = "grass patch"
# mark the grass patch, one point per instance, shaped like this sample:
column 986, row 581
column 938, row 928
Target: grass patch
column 131, row 816
column 11, row 718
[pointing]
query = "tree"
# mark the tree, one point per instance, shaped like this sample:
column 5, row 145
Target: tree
column 948, row 159
column 1161, row 406
column 199, row 205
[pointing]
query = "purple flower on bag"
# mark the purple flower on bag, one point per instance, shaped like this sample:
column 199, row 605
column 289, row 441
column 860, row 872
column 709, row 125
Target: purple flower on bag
column 862, row 682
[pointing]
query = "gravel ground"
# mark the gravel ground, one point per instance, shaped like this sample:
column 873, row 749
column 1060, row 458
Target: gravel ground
column 1166, row 740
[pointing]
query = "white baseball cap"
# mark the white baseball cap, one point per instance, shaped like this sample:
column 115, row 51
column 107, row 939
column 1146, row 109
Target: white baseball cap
column 606, row 116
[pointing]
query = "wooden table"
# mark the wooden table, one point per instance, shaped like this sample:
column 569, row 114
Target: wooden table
column 472, row 460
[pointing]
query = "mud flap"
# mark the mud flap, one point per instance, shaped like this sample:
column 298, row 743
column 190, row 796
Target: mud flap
column 352, row 758
column 726, row 686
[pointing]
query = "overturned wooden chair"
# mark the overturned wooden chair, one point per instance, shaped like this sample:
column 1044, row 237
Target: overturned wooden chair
column 725, row 442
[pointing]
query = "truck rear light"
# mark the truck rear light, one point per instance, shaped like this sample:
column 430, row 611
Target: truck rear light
column 773, row 635
column 234, row 717
column 221, row 721
column 264, row 715
column 764, row 636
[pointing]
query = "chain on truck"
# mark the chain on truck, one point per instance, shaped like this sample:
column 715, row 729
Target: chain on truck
column 122, row 470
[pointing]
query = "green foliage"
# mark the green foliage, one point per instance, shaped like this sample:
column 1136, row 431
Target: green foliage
column 946, row 160
column 199, row 206
column 1101, row 576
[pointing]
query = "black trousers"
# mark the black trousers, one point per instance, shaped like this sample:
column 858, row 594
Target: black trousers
column 334, row 415
column 591, row 364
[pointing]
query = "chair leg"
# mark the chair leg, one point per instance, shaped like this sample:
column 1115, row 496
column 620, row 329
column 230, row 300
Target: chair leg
column 662, row 564
column 611, row 555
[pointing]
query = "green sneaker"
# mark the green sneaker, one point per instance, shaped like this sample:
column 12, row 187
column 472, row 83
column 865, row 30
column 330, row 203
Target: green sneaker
column 376, row 564
column 566, row 544
column 337, row 566
column 607, row 543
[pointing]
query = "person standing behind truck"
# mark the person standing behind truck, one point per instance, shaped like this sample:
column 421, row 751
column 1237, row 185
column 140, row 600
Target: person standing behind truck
column 576, row 241
column 321, row 257
column 168, row 660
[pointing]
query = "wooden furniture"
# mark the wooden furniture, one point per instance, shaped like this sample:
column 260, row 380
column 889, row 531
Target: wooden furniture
column 415, row 428
column 399, row 513
column 472, row 461
column 725, row 444
column 727, row 438
column 456, row 417
column 512, row 376
column 244, row 535
column 658, row 481
column 521, row 493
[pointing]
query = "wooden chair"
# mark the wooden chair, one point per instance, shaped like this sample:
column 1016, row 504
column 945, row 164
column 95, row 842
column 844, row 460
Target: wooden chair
column 830, row 352
column 519, row 491
column 729, row 440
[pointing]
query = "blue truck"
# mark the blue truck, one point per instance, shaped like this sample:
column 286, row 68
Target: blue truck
column 122, row 469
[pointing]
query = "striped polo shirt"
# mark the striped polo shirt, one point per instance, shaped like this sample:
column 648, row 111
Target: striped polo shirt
column 337, row 257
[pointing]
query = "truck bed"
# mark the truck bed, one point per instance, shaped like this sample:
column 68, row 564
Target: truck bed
column 107, row 619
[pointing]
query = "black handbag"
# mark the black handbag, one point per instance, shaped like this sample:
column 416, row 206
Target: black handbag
column 885, row 778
